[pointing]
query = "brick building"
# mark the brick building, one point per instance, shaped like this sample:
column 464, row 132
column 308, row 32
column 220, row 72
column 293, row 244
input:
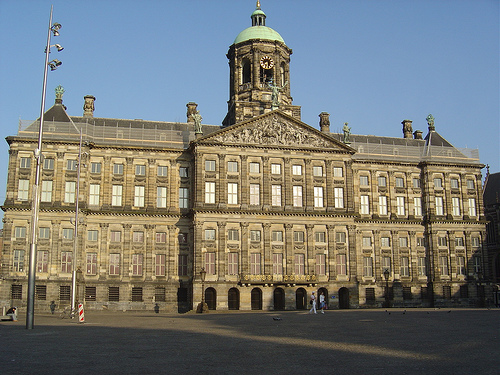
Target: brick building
column 270, row 207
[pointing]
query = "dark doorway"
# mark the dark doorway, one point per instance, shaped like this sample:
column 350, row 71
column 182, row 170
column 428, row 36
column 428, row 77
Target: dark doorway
column 233, row 299
column 343, row 298
column 300, row 299
column 256, row 299
column 211, row 298
column 279, row 299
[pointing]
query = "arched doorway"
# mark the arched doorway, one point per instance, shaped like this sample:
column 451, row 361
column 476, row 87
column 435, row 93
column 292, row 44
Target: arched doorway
column 325, row 293
column 279, row 299
column 343, row 298
column 256, row 299
column 233, row 299
column 211, row 298
column 300, row 299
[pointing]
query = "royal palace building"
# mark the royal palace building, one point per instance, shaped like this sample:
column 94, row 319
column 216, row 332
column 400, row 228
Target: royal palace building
column 265, row 207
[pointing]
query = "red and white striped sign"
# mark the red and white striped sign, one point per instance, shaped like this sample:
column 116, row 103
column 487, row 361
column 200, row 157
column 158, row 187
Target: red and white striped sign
column 81, row 315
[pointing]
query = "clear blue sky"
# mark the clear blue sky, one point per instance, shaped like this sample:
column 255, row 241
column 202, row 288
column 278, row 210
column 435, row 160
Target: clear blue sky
column 366, row 62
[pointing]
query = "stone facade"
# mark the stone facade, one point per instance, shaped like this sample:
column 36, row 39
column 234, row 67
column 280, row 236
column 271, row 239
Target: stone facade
column 268, row 206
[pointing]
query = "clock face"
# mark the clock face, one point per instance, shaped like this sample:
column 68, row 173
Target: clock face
column 266, row 62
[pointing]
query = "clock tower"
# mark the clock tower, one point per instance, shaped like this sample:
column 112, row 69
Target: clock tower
column 259, row 73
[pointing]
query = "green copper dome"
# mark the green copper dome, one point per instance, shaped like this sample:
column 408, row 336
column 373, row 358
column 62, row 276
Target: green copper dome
column 258, row 32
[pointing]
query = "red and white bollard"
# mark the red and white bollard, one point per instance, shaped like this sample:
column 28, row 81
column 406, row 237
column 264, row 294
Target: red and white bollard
column 81, row 315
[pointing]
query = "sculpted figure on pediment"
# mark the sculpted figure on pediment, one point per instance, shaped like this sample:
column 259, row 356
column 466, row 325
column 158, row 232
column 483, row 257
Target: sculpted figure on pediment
column 273, row 131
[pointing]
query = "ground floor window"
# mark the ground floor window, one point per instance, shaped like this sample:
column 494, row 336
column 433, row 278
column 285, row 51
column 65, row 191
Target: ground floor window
column 159, row 294
column 114, row 294
column 64, row 293
column 137, row 294
column 17, row 292
column 41, row 292
column 90, row 293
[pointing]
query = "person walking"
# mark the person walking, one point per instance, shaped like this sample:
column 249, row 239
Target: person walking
column 322, row 302
column 313, row 303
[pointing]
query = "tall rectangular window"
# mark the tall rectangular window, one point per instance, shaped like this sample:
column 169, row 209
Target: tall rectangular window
column 66, row 261
column 161, row 237
column 210, row 263
column 118, row 169
column 382, row 205
column 44, row 233
column 454, row 183
column 416, row 182
column 25, row 163
column 115, row 236
column 417, row 205
column 23, row 189
column 455, row 206
column 438, row 183
column 320, row 267
column 439, row 206
column 209, row 165
column 477, row 264
column 139, row 196
column 255, row 235
column 405, row 267
column 421, row 266
column 19, row 232
column 160, row 260
column 470, row 184
column 443, row 264
column 136, row 264
column 300, row 264
column 162, row 171
column 71, row 165
column 317, row 171
column 183, row 265
column 232, row 193
column 367, row 267
column 42, row 261
column 400, row 182
column 320, row 237
column 277, row 236
column 18, row 265
column 385, row 242
column 140, row 170
column 340, row 237
column 233, row 235
column 95, row 167
column 91, row 263
column 341, row 265
column 116, row 197
column 255, row 263
column 472, row 207
column 364, row 205
column 297, row 170
column 46, row 195
column 138, row 237
column 403, row 241
column 69, row 192
column 209, row 192
column 94, row 192
column 277, row 264
column 297, row 196
column 275, row 168
column 298, row 236
column 318, row 196
column 363, row 180
column 276, row 195
column 382, row 181
column 338, row 194
column 386, row 263
column 114, row 264
column 400, row 206
column 161, row 197
column 92, row 235
column 210, row 234
column 232, row 263
column 254, row 168
column 338, row 172
column 183, row 172
column 183, row 197
column 67, row 233
column 232, row 166
column 48, row 164
column 461, row 270
column 367, row 242
column 254, row 194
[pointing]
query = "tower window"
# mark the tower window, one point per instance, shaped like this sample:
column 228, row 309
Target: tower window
column 246, row 72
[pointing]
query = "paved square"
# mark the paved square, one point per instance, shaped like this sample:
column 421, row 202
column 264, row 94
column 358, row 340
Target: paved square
column 413, row 341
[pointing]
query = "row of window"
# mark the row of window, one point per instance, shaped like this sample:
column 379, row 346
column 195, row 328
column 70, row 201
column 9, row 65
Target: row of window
column 399, row 182
column 114, row 265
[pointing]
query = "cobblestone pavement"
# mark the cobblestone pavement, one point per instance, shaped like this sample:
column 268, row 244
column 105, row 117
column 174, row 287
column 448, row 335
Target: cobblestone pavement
column 413, row 341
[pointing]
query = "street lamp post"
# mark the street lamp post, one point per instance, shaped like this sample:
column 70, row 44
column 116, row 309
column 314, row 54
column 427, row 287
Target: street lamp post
column 202, row 307
column 30, row 309
column 386, row 277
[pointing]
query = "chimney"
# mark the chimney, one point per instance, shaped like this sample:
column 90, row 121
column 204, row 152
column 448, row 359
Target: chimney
column 324, row 122
column 417, row 134
column 191, row 110
column 88, row 106
column 407, row 128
